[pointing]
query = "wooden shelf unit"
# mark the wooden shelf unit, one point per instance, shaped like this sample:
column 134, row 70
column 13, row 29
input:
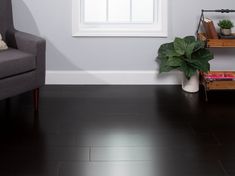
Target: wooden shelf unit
column 217, row 43
column 213, row 84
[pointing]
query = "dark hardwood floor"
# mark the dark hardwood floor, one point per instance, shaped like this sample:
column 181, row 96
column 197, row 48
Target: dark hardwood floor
column 118, row 131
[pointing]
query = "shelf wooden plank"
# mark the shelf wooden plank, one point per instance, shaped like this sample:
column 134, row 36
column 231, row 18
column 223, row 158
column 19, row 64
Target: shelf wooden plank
column 217, row 43
column 221, row 85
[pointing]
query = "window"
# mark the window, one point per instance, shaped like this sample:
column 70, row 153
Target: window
column 120, row 18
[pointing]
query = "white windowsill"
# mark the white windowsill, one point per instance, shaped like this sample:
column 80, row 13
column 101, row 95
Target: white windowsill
column 158, row 29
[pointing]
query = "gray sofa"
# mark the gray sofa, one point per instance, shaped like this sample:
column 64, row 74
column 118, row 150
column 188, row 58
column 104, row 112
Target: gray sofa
column 22, row 66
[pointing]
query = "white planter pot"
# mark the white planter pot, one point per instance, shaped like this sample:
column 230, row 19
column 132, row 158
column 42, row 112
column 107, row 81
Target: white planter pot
column 191, row 85
column 226, row 31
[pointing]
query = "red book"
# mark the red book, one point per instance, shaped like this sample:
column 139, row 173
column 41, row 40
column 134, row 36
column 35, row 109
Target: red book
column 220, row 75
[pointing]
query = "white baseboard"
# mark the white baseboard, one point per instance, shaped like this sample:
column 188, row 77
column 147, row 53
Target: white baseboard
column 112, row 78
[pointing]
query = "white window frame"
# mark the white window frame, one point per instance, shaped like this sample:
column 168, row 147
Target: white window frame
column 159, row 28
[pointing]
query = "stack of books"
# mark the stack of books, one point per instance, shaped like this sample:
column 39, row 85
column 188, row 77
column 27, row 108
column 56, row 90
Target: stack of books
column 219, row 76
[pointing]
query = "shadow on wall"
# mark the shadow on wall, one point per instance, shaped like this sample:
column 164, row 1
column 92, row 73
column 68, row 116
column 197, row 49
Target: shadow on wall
column 55, row 59
column 22, row 16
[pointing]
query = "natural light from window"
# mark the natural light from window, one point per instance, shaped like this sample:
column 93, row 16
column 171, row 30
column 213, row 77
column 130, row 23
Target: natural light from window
column 120, row 18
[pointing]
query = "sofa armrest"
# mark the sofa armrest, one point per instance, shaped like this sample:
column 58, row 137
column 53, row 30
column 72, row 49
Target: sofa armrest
column 25, row 42
column 30, row 44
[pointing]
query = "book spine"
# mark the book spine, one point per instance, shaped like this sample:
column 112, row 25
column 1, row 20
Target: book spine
column 213, row 31
column 210, row 30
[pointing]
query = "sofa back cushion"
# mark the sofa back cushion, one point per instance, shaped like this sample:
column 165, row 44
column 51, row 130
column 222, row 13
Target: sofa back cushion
column 6, row 19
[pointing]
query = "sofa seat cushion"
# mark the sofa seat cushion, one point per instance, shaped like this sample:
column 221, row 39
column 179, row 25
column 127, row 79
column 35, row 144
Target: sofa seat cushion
column 14, row 62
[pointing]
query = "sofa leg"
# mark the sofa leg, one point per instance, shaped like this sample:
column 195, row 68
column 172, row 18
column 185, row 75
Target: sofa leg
column 36, row 99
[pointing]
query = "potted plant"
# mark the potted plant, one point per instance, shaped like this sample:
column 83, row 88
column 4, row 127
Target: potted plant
column 187, row 55
column 225, row 27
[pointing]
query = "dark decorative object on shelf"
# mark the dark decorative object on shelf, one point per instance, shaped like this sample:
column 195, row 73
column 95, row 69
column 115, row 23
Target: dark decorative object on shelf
column 221, row 36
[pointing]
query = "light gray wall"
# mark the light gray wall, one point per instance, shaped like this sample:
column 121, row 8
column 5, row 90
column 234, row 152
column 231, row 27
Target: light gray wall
column 52, row 20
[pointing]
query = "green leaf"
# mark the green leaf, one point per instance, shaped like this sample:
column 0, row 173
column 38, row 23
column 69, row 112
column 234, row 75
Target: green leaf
column 188, row 70
column 172, row 53
column 174, row 62
column 189, row 49
column 191, row 71
column 165, row 49
column 189, row 39
column 201, row 65
column 164, row 67
column 201, row 58
column 180, row 46
column 203, row 54
column 199, row 45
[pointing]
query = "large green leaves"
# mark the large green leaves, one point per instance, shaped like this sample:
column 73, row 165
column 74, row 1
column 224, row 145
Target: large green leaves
column 185, row 54
column 174, row 61
column 180, row 46
column 167, row 50
column 164, row 67
column 187, row 45
column 188, row 70
column 203, row 54
column 189, row 49
column 189, row 39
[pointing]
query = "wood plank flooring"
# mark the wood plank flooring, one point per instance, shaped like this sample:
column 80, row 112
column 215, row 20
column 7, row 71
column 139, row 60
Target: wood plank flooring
column 118, row 131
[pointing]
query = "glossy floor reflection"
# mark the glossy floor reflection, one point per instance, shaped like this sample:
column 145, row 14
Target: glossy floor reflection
column 118, row 131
